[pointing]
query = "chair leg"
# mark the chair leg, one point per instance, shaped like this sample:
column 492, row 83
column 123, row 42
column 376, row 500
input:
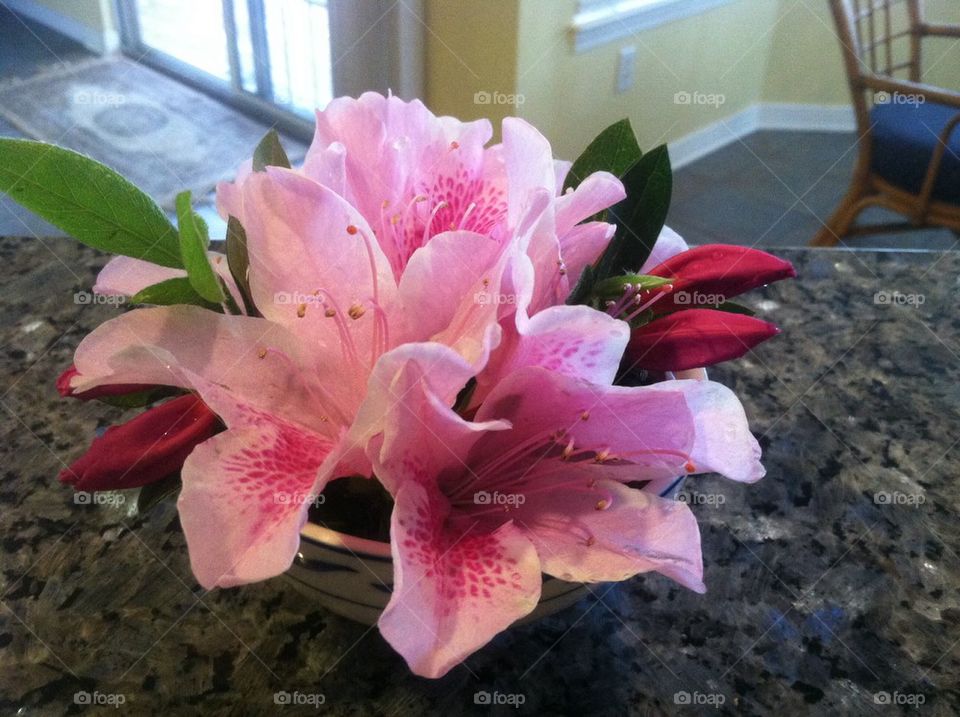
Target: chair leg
column 840, row 221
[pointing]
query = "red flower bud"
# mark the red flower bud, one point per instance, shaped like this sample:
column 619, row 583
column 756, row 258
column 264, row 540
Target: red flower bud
column 716, row 273
column 695, row 338
column 120, row 389
column 145, row 449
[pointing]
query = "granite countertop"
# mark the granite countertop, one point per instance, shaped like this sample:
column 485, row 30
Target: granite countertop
column 834, row 583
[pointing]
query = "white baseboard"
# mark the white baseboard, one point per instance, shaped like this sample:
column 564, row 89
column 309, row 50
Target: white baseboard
column 102, row 41
column 761, row 116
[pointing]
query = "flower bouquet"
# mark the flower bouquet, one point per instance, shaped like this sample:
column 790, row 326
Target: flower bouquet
column 488, row 358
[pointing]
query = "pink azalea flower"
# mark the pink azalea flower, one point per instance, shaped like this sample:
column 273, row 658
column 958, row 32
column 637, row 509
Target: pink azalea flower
column 398, row 221
column 538, row 483
column 413, row 175
column 288, row 385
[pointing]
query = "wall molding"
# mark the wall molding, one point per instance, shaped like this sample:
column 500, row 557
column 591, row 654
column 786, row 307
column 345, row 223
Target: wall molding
column 102, row 42
column 760, row 116
column 599, row 22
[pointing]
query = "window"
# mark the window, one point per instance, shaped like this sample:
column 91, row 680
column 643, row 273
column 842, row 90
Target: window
column 598, row 22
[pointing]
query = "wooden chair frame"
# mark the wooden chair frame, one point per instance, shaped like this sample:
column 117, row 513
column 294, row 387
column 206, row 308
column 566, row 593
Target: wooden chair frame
column 870, row 67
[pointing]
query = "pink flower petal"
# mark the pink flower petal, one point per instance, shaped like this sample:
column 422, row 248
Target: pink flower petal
column 575, row 341
column 254, row 358
column 669, row 243
column 723, row 442
column 125, row 276
column 583, row 245
column 451, row 293
column 610, row 532
column 454, row 589
column 245, row 497
column 642, row 434
column 407, row 413
column 310, row 253
column 529, row 164
column 597, row 192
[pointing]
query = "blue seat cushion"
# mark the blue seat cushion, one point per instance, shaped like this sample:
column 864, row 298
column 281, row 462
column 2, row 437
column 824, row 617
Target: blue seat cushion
column 904, row 137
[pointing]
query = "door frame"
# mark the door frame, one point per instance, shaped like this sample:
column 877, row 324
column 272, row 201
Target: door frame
column 395, row 57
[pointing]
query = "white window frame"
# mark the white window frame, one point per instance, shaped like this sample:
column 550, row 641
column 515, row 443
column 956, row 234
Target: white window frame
column 599, row 22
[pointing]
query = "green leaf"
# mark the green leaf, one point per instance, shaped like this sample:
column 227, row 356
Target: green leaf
column 734, row 308
column 87, row 200
column 153, row 493
column 640, row 216
column 239, row 262
column 613, row 287
column 614, row 150
column 194, row 241
column 270, row 153
column 172, row 291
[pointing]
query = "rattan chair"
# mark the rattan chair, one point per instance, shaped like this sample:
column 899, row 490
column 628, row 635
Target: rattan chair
column 909, row 131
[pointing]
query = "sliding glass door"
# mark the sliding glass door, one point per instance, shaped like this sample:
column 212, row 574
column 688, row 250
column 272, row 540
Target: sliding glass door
column 280, row 59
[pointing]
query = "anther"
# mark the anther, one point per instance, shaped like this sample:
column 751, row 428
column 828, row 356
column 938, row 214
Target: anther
column 352, row 229
column 301, row 310
column 356, row 311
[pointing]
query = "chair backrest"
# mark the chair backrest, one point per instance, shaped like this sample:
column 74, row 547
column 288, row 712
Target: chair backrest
column 878, row 37
column 882, row 36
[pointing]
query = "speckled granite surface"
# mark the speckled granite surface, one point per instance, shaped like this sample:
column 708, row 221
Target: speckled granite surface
column 833, row 584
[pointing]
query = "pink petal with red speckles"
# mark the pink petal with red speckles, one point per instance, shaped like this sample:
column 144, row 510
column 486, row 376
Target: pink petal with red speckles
column 245, row 497
column 575, row 341
column 454, row 588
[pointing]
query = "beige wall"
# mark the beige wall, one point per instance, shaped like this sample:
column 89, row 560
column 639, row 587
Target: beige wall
column 571, row 96
column 471, row 48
